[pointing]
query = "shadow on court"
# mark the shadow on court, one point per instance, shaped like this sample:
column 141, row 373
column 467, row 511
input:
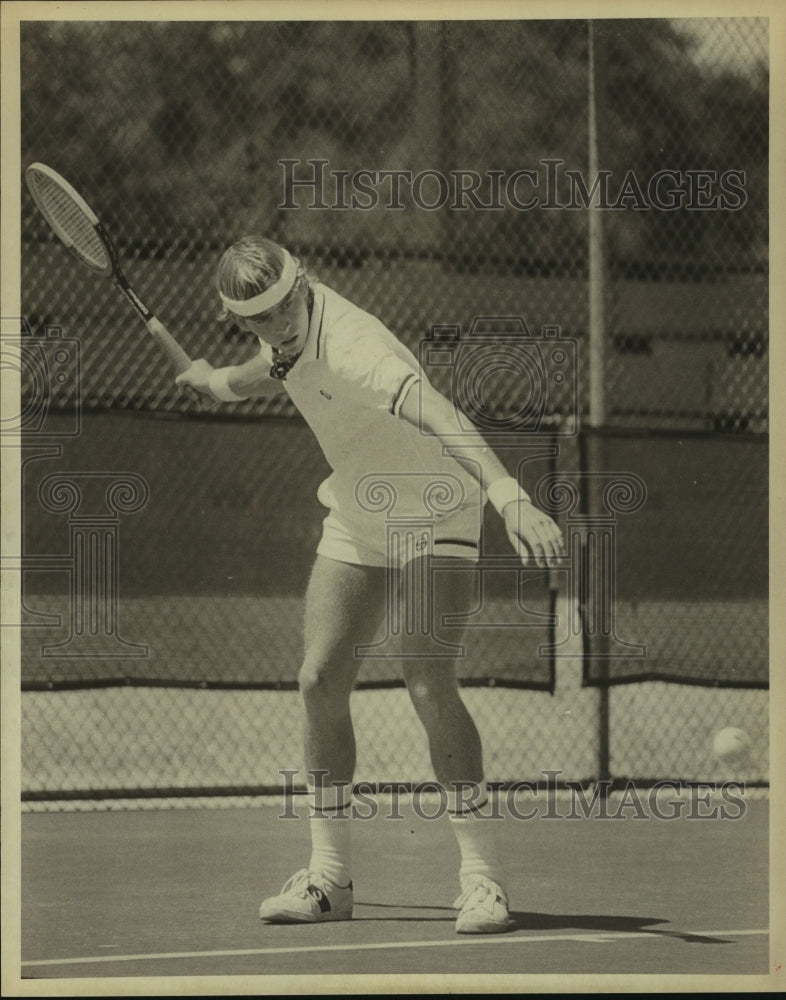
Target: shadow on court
column 543, row 921
column 616, row 925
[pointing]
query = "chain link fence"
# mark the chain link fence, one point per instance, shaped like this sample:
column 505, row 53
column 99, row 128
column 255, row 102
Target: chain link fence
column 438, row 175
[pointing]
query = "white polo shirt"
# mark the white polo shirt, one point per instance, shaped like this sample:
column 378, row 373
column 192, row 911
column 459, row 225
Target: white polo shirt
column 349, row 384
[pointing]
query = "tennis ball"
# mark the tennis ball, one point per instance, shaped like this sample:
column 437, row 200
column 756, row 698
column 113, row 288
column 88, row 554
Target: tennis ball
column 731, row 745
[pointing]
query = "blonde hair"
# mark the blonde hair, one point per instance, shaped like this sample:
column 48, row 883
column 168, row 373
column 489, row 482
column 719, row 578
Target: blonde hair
column 250, row 266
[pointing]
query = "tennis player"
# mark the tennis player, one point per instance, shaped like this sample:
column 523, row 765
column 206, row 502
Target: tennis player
column 373, row 410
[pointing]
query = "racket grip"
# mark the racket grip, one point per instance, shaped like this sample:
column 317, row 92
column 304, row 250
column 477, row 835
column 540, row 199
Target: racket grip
column 180, row 360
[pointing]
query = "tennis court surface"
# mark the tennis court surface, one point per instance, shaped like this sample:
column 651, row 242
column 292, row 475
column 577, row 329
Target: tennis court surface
column 175, row 893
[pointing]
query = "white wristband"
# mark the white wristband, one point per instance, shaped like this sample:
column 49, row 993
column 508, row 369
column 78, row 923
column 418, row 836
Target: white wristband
column 219, row 386
column 504, row 491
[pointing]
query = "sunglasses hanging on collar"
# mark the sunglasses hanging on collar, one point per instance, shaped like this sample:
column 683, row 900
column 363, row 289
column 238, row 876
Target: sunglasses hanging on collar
column 282, row 364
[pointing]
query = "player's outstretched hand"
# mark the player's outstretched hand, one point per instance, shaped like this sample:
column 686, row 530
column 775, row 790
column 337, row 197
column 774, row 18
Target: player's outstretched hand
column 533, row 534
column 197, row 377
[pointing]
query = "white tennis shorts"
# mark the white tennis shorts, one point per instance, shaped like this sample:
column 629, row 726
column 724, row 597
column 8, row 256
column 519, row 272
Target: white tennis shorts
column 369, row 540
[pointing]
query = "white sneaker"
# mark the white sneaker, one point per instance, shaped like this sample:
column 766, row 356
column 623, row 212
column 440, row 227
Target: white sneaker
column 308, row 898
column 484, row 907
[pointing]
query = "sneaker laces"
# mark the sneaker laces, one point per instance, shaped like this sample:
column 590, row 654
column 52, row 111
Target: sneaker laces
column 300, row 881
column 477, row 891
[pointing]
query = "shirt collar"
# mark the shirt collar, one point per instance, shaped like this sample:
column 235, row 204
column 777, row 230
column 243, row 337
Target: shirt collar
column 314, row 345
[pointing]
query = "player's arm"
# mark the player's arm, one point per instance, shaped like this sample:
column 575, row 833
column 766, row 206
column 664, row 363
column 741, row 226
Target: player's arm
column 530, row 531
column 232, row 384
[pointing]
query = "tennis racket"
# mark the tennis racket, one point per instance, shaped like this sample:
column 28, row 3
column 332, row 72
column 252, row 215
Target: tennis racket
column 80, row 229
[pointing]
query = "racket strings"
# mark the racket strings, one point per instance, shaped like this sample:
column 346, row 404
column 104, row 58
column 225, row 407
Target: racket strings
column 70, row 222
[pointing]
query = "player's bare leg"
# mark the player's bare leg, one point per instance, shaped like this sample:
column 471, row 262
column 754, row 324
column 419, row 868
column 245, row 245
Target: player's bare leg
column 344, row 605
column 456, row 752
column 454, row 742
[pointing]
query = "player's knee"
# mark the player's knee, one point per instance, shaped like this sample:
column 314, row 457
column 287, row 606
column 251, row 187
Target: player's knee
column 433, row 692
column 321, row 682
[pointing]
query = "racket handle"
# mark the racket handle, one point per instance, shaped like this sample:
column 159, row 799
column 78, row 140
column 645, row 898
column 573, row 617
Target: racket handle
column 180, row 360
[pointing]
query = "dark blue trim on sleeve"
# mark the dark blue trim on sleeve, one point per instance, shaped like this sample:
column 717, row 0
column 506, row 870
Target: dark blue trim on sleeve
column 398, row 399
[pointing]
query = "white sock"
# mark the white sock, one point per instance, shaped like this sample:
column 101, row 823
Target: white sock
column 477, row 834
column 329, row 822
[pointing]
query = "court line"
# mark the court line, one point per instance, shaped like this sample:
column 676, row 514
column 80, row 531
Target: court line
column 598, row 937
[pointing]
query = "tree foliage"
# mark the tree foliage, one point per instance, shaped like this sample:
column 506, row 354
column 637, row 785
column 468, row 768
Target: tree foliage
column 176, row 129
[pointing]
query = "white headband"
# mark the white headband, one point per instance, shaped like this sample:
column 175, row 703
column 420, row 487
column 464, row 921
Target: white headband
column 270, row 297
